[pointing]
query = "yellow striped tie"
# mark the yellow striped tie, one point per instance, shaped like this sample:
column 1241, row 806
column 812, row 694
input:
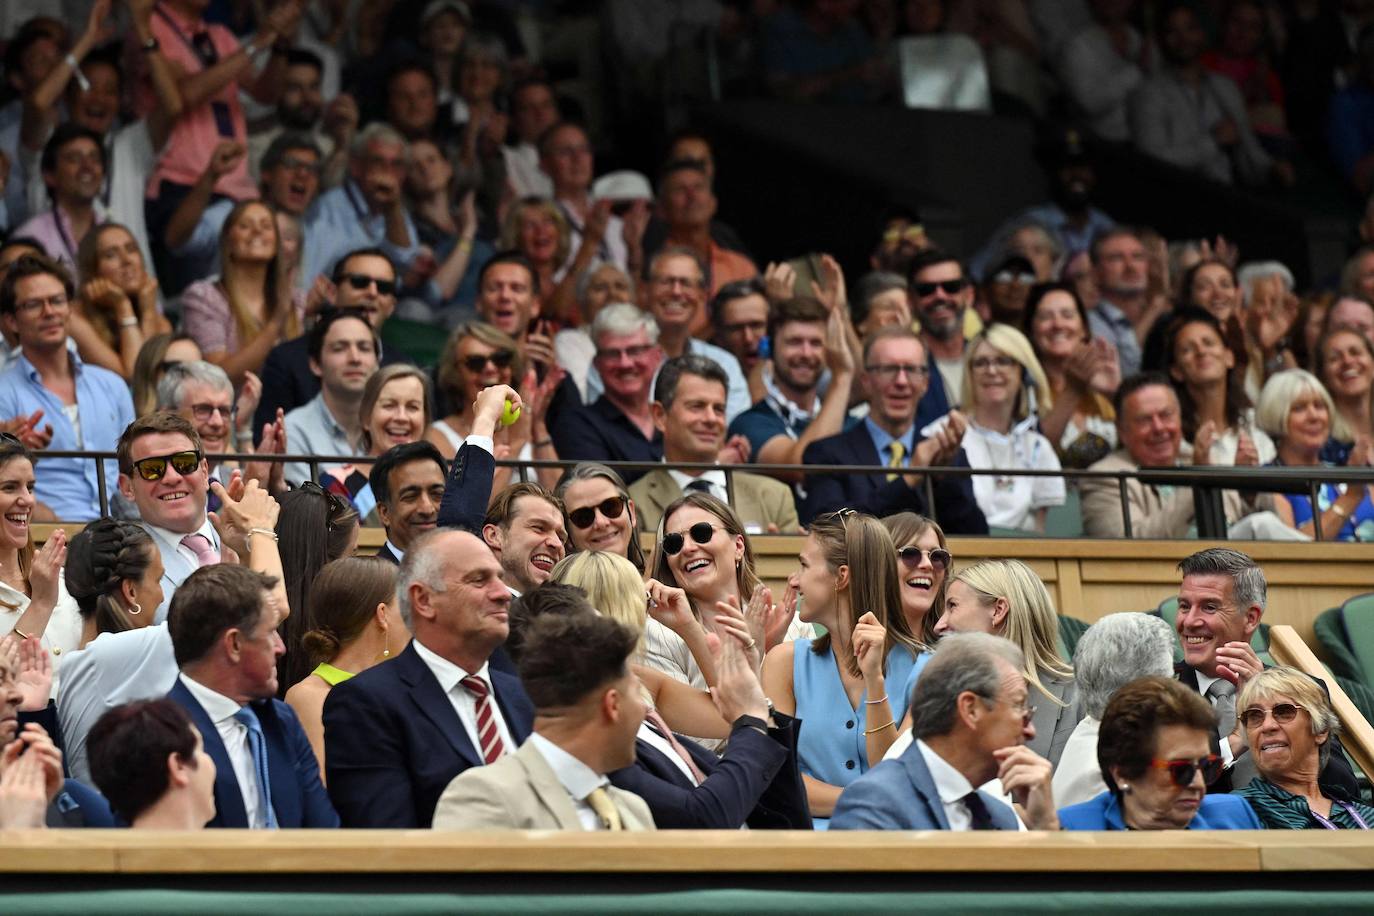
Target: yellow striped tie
column 898, row 453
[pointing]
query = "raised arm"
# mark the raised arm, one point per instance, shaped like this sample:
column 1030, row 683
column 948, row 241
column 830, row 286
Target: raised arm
column 39, row 113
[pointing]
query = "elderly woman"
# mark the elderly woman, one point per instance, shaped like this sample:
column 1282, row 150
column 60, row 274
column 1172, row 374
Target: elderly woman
column 1003, row 384
column 1155, row 750
column 1296, row 410
column 1288, row 724
column 597, row 287
column 1006, row 598
column 1116, row 650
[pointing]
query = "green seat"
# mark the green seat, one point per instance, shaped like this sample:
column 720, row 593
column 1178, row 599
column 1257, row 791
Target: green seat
column 1259, row 641
column 1330, row 633
column 998, row 531
column 1066, row 521
column 420, row 342
column 1071, row 630
column 1357, row 618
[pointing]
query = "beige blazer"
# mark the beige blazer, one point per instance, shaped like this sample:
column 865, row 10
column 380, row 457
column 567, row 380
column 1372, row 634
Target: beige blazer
column 759, row 501
column 1155, row 513
column 521, row 792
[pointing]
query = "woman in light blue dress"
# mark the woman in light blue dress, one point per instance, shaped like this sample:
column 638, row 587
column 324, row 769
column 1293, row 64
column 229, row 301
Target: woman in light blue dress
column 851, row 685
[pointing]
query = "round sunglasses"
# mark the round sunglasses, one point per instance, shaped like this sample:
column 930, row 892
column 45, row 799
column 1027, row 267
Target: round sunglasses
column 939, row 557
column 611, row 507
column 701, row 532
column 1283, row 714
column 1183, row 771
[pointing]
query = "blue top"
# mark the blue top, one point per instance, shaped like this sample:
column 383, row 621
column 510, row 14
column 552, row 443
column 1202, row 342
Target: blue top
column 69, row 485
column 833, row 748
column 1350, row 127
column 339, row 222
column 1217, row 812
column 1358, row 527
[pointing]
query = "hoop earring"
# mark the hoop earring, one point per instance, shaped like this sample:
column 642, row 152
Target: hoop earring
column 135, row 610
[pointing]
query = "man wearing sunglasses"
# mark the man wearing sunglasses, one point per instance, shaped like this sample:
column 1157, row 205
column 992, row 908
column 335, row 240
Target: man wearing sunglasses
column 1220, row 602
column 363, row 279
column 87, row 406
column 895, row 374
column 971, row 720
column 941, row 295
column 689, row 409
column 162, row 471
column 343, row 353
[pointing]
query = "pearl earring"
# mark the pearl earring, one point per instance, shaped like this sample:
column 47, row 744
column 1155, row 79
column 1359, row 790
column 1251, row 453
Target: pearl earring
column 1126, row 788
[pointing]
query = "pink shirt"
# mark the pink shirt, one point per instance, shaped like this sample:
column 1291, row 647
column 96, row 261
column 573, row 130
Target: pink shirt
column 206, row 318
column 197, row 132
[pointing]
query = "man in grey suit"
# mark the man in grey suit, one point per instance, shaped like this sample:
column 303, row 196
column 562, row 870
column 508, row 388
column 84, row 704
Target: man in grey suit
column 163, row 471
column 588, row 709
column 970, row 716
column 689, row 408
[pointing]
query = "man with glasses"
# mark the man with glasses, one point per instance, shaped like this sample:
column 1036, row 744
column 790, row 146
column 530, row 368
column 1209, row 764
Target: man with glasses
column 163, row 472
column 971, row 719
column 940, row 298
column 364, row 280
column 739, row 315
column 201, row 393
column 343, row 353
column 299, row 111
column 895, row 374
column 87, row 406
column 1220, row 602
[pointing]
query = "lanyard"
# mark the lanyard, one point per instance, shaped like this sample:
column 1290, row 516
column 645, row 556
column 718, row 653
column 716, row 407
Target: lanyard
column 200, row 44
column 1349, row 809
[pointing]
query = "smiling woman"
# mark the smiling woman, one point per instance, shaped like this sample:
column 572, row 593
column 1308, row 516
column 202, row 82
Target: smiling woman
column 117, row 308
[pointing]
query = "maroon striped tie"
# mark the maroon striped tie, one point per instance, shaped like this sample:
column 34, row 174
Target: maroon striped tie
column 487, row 732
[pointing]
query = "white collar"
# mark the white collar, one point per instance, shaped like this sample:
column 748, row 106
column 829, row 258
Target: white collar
column 396, row 551
column 173, row 538
column 949, row 782
column 1204, row 683
column 715, row 477
column 216, row 705
column 578, row 779
column 446, row 672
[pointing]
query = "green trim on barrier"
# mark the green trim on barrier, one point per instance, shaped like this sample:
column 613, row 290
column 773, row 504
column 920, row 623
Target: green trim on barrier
column 783, row 903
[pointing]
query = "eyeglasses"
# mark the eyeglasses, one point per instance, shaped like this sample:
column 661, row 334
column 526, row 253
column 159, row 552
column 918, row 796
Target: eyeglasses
column 701, row 532
column 155, row 468
column 984, row 363
column 950, row 287
column 939, row 557
column 501, row 359
column 913, row 233
column 1183, row 771
column 1283, row 713
column 166, row 364
column 611, row 507
column 887, row 372
column 59, row 302
column 670, row 282
column 615, row 354
column 1013, row 276
column 203, row 412
column 292, row 164
column 1024, row 709
column 363, row 281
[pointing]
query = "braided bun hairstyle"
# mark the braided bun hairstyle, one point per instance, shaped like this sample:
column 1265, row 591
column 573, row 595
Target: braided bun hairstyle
column 342, row 602
column 107, row 553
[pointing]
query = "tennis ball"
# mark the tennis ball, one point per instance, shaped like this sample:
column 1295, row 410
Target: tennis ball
column 509, row 414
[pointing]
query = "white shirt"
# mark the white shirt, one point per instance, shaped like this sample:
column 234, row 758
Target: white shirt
column 1204, row 683
column 398, row 552
column 951, row 785
column 992, row 787
column 526, row 178
column 234, row 734
column 1008, row 501
column 464, row 703
column 63, row 634
column 1078, row 776
column 577, row 779
column 716, row 478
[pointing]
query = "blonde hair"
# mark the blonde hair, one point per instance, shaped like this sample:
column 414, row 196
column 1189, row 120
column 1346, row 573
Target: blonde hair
column 373, row 390
column 1006, row 339
column 449, row 376
column 612, row 584
column 1031, row 621
column 1302, row 690
column 1277, row 397
column 515, row 223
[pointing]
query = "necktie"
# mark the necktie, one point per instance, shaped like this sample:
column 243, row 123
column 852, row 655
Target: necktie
column 257, row 746
column 982, row 819
column 487, row 733
column 700, row 486
column 657, row 724
column 898, row 453
column 200, row 545
column 600, row 801
column 1222, row 693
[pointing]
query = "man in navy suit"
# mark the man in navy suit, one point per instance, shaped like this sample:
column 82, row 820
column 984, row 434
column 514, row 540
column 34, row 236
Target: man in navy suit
column 895, row 374
column 223, row 623
column 397, row 734
column 970, row 719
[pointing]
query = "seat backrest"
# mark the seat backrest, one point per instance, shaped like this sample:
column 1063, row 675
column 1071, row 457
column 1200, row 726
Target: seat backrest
column 1357, row 616
column 943, row 71
column 1071, row 630
column 1330, row 633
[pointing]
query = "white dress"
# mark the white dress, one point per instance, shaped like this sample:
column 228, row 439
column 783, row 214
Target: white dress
column 63, row 634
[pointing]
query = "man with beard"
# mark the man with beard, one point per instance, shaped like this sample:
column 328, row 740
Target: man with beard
column 73, row 171
column 300, row 110
column 806, row 341
column 941, row 294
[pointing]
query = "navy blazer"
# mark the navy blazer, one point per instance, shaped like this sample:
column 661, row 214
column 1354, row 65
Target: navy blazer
column 1337, row 771
column 393, row 741
column 298, row 798
column 467, row 489
column 384, row 553
column 900, row 794
column 757, row 782
column 1217, row 812
column 955, row 508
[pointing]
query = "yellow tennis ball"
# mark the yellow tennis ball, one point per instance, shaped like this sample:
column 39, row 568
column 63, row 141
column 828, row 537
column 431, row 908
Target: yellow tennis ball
column 509, row 414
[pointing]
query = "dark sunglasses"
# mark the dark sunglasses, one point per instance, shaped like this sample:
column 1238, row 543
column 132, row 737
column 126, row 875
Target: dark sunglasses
column 155, row 468
column 1283, row 714
column 12, row 439
column 701, row 532
column 922, row 290
column 501, row 359
column 939, row 557
column 1183, row 771
column 586, row 516
column 363, row 281
column 337, row 506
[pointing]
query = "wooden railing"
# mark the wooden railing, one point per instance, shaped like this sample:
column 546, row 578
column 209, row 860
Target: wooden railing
column 1288, row 648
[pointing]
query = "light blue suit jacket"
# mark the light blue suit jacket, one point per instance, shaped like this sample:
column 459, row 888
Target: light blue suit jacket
column 901, row 795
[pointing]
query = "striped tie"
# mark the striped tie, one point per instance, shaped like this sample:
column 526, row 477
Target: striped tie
column 487, row 733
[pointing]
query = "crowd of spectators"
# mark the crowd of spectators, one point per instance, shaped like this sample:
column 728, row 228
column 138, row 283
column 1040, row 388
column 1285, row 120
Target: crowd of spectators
column 233, row 233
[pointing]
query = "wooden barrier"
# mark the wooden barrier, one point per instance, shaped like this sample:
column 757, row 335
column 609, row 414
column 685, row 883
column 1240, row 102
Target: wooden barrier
column 1288, row 648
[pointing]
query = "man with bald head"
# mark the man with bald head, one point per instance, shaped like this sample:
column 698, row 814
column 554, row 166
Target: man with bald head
column 397, row 734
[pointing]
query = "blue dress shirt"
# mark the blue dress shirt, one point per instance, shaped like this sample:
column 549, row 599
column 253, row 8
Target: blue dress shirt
column 340, row 222
column 882, row 441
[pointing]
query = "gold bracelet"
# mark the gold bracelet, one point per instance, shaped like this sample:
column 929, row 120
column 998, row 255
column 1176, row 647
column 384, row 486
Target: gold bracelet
column 22, row 634
column 873, row 731
column 881, row 699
